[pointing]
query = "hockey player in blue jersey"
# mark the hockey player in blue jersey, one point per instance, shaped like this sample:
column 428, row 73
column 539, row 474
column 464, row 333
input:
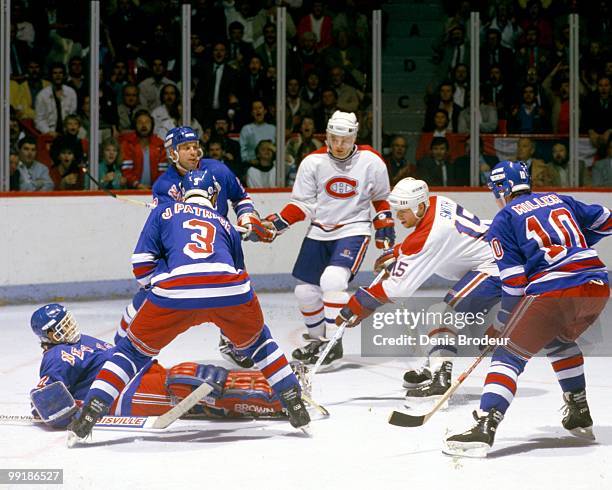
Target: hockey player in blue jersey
column 554, row 286
column 72, row 360
column 184, row 151
column 191, row 258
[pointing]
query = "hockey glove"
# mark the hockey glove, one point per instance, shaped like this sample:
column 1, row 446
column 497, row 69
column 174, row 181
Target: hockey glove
column 276, row 222
column 361, row 305
column 255, row 230
column 385, row 233
column 386, row 260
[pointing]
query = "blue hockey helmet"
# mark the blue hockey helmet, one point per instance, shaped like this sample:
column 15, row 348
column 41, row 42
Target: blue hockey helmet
column 177, row 136
column 54, row 324
column 508, row 177
column 200, row 183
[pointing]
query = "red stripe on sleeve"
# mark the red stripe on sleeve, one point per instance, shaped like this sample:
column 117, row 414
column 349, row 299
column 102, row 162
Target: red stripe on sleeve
column 378, row 292
column 292, row 214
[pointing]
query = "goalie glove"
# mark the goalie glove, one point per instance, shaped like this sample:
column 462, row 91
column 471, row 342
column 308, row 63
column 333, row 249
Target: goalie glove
column 254, row 229
column 385, row 233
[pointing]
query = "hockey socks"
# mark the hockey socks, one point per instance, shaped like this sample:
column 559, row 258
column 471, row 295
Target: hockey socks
column 500, row 383
column 567, row 362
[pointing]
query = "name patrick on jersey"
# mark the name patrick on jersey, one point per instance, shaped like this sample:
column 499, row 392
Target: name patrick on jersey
column 536, row 203
column 199, row 211
column 341, row 187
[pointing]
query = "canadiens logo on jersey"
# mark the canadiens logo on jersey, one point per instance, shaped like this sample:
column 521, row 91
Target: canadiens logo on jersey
column 341, row 187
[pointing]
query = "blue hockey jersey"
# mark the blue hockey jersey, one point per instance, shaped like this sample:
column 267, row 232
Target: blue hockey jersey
column 166, row 187
column 192, row 258
column 541, row 242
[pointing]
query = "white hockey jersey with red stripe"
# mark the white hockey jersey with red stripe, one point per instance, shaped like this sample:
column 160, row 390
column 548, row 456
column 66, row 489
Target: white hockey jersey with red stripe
column 449, row 241
column 338, row 197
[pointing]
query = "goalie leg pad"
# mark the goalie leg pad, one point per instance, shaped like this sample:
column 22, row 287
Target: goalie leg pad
column 185, row 377
column 248, row 394
column 54, row 404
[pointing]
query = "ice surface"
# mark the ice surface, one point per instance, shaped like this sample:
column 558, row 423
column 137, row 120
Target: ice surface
column 354, row 448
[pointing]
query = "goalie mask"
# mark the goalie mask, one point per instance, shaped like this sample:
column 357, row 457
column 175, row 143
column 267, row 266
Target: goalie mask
column 54, row 324
column 202, row 184
column 341, row 135
column 180, row 136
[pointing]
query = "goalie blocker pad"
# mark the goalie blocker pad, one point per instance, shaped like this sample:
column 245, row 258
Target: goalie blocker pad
column 236, row 394
column 54, row 404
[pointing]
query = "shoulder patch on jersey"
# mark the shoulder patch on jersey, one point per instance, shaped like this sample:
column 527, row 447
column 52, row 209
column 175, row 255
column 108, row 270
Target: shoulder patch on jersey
column 496, row 247
column 341, row 187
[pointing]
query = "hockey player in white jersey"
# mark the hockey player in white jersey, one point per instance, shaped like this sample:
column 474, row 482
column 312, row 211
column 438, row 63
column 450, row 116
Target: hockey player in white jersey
column 448, row 241
column 335, row 187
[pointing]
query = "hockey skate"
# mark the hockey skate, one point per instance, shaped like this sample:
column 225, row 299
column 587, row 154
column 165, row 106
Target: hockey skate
column 80, row 428
column 229, row 353
column 577, row 417
column 298, row 415
column 416, row 377
column 432, row 390
column 309, row 354
column 476, row 442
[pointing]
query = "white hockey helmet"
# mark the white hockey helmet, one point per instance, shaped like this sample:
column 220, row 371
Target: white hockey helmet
column 408, row 193
column 343, row 124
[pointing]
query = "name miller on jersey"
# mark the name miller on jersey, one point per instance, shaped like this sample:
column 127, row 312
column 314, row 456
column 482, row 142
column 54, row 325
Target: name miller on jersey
column 536, row 203
column 199, row 211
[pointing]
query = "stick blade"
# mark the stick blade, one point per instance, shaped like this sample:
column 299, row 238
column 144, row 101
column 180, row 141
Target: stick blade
column 405, row 420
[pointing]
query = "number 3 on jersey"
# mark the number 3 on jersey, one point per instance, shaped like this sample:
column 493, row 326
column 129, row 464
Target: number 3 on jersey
column 565, row 228
column 201, row 245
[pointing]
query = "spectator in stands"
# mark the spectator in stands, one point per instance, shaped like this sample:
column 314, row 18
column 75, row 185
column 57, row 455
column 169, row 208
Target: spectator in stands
column 311, row 91
column 23, row 95
column 199, row 55
column 329, row 105
column 348, row 56
column 15, row 132
column 540, row 94
column 532, row 55
column 455, row 51
column 525, row 151
column 261, row 172
column 69, row 139
column 597, row 115
column 559, row 165
column 493, row 53
column 267, row 50
column 231, row 148
column 487, row 112
column 534, row 19
column 319, row 24
column 350, row 19
column 20, row 53
column 303, row 139
column 54, row 102
column 242, row 11
column 500, row 94
column 435, row 169
column 144, row 156
column 109, row 118
column 556, row 87
column 109, row 169
column 76, row 78
column 267, row 15
column 33, row 175
column 239, row 51
column 216, row 88
column 304, row 150
column 215, row 150
column 118, row 79
column 485, row 164
column 151, row 86
column 130, row 104
column 304, row 58
column 175, row 119
column 254, row 85
column 560, row 53
column 296, row 108
column 25, row 28
column 528, row 116
column 461, row 89
column 602, row 169
column 65, row 172
column 251, row 134
column 445, row 101
column 160, row 42
column 169, row 97
column 398, row 165
column 441, row 124
column 506, row 23
column 13, row 172
column 349, row 97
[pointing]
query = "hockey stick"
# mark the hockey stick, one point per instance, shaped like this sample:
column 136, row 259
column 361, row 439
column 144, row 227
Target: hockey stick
column 338, row 335
column 108, row 422
column 182, row 407
column 406, row 420
column 149, row 205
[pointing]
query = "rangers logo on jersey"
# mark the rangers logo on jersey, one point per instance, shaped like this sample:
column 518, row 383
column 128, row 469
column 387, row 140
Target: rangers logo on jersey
column 341, row 187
